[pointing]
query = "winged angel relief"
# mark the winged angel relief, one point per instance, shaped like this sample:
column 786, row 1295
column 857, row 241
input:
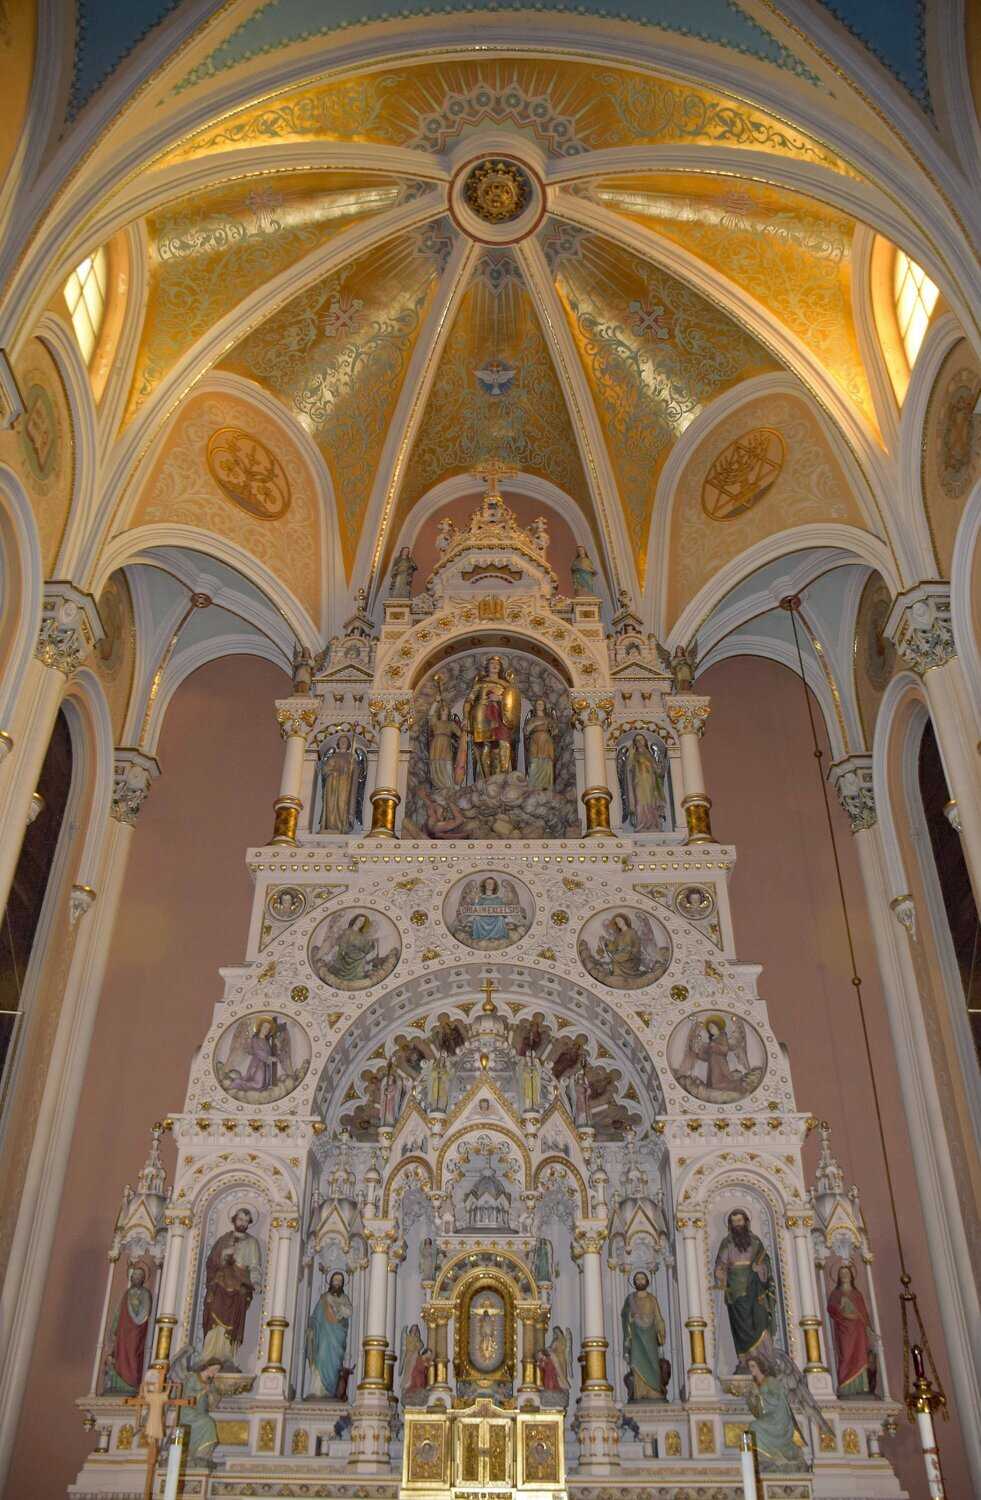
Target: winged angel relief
column 262, row 1058
column 715, row 1064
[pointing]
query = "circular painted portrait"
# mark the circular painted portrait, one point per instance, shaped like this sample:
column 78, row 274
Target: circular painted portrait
column 262, row 1058
column 354, row 948
column 488, row 911
column 624, row 948
column 695, row 902
column 717, row 1057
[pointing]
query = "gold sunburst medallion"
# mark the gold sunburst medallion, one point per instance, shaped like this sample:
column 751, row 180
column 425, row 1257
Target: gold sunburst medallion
column 497, row 191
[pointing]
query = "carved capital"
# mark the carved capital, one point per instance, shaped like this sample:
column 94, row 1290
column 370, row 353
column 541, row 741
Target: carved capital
column 591, row 708
column 852, row 780
column 590, row 1241
column 296, row 716
column 391, row 711
column 920, row 628
column 132, row 776
column 688, row 714
column 70, row 627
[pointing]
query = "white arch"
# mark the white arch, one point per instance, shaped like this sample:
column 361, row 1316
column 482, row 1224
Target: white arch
column 61, row 344
column 912, row 516
column 962, row 601
column 27, row 567
column 782, row 652
column 862, row 546
column 95, row 739
column 183, row 664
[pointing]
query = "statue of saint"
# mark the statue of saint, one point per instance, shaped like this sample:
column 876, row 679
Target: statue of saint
column 302, row 671
column 855, row 1359
column 492, row 713
column 436, row 1076
column 127, row 1336
column 643, row 1340
column 643, row 786
column 553, row 1363
column 530, row 1082
column 416, row 1362
column 540, row 746
column 233, row 1275
column 339, row 780
column 581, row 1108
column 327, row 1339
column 541, row 1261
column 428, row 1259
column 680, row 665
column 404, row 569
column 584, row 575
column 744, row 1274
column 444, row 737
column 392, row 1093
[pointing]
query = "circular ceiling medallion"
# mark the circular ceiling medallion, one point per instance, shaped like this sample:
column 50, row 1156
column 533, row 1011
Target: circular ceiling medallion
column 497, row 200
column 248, row 474
column 741, row 474
column 497, row 190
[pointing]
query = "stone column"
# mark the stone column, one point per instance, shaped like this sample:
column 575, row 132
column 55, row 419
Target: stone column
column 370, row 1417
column 599, row 1420
column 390, row 715
column 936, row 1141
column 296, row 717
column 818, row 1375
column 528, row 1314
column 919, row 625
column 688, row 714
column 70, row 627
column 395, row 1255
column 591, row 715
column 168, row 1303
column 701, row 1381
column 272, row 1379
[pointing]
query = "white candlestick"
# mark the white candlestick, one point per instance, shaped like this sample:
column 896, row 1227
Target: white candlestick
column 931, row 1460
column 174, row 1463
column 747, row 1459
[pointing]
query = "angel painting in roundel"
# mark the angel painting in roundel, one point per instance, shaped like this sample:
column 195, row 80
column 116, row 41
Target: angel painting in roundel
column 624, row 950
column 256, row 1064
column 715, row 1065
column 490, row 913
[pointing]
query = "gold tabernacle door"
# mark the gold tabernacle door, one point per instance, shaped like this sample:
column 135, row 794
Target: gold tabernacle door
column 483, row 1450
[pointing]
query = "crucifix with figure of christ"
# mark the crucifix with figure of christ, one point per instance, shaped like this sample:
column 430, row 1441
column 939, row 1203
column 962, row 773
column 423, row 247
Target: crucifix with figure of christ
column 156, row 1398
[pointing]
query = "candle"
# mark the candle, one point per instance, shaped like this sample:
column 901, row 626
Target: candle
column 174, row 1463
column 747, row 1459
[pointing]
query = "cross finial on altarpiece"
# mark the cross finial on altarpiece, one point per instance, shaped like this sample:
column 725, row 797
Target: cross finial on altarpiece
column 488, row 989
column 492, row 471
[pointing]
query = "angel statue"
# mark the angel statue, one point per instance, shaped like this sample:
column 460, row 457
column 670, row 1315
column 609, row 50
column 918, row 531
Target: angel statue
column 553, row 1366
column 715, row 1067
column 680, row 665
column 341, row 769
column 778, row 1389
column 197, row 1379
column 643, row 790
column 584, row 574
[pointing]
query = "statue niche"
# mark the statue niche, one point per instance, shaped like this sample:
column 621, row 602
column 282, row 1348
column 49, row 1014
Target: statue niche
column 485, row 1336
column 493, row 754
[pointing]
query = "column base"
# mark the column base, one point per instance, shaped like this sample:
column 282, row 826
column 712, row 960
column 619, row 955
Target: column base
column 596, row 800
column 287, row 811
column 370, row 1432
column 599, row 1432
column 165, row 1333
column 384, row 802
column 697, row 816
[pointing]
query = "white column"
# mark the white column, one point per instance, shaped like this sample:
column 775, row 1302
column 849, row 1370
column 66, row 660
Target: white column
column 370, row 1419
column 395, row 1254
column 920, row 626
column 700, row 1380
column 591, row 715
column 688, row 715
column 70, row 627
column 273, row 1376
column 37, row 1212
column 389, row 715
column 170, row 1288
column 599, row 1419
column 943, row 1219
column 296, row 717
column 818, row 1375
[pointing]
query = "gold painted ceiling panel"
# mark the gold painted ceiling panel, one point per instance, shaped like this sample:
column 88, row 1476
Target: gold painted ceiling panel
column 568, row 108
column 337, row 355
column 496, row 394
column 790, row 252
column 654, row 351
column 210, row 250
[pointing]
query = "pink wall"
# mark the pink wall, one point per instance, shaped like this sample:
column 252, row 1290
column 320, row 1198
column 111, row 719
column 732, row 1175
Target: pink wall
column 185, row 911
column 761, row 776
column 562, row 543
